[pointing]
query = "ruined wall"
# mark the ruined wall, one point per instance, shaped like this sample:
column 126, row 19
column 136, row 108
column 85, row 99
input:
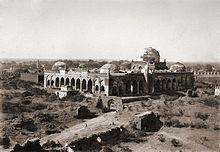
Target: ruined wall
column 180, row 81
column 95, row 141
column 115, row 103
column 204, row 76
column 37, row 78
column 133, row 84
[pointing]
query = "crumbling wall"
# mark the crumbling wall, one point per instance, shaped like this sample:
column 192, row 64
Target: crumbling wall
column 116, row 103
column 96, row 141
column 37, row 78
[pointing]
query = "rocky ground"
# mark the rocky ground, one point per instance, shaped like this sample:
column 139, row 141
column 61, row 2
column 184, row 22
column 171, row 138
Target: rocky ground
column 189, row 123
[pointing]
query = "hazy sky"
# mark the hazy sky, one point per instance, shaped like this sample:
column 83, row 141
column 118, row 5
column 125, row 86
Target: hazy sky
column 181, row 30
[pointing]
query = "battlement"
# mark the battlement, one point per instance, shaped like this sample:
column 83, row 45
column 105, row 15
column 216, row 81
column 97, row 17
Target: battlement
column 214, row 73
column 217, row 87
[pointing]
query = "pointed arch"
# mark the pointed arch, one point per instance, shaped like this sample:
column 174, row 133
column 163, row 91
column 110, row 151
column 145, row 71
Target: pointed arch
column 157, row 85
column 67, row 81
column 57, row 81
column 72, row 82
column 62, row 81
column 83, row 84
column 141, row 87
column 90, row 86
column 164, row 88
column 128, row 87
column 174, row 84
column 169, row 84
column 134, row 83
column 114, row 91
column 78, row 84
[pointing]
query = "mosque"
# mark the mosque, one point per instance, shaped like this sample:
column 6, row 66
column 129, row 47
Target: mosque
column 148, row 76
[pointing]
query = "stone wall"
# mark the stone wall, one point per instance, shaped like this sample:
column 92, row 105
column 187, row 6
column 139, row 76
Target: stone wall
column 37, row 78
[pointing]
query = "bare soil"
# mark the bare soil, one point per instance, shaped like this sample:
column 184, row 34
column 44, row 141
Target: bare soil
column 189, row 123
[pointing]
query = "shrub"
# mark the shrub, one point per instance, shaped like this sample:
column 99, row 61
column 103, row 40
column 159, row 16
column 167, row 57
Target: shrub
column 78, row 97
column 25, row 101
column 174, row 122
column 38, row 106
column 203, row 116
column 216, row 127
column 199, row 125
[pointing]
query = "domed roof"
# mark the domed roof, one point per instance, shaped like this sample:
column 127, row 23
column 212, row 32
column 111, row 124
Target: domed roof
column 112, row 67
column 178, row 67
column 151, row 55
column 59, row 65
column 151, row 51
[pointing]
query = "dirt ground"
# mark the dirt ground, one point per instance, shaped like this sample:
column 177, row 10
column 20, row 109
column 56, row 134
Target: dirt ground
column 189, row 123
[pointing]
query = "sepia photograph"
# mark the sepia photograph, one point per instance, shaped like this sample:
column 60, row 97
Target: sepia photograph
column 109, row 75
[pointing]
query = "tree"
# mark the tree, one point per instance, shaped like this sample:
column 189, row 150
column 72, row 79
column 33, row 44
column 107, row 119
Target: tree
column 208, row 67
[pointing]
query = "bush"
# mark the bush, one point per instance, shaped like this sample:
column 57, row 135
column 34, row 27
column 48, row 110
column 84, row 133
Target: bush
column 203, row 116
column 210, row 101
column 99, row 103
column 78, row 97
column 174, row 122
column 38, row 106
column 199, row 125
column 216, row 127
column 26, row 101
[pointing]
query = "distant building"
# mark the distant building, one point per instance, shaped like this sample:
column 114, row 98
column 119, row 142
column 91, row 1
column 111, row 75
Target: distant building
column 9, row 73
column 145, row 77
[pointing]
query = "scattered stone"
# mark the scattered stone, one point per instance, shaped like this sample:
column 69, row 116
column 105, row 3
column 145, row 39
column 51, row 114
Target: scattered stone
column 27, row 93
column 51, row 144
column 161, row 138
column 176, row 142
column 52, row 131
column 216, row 127
column 27, row 123
column 106, row 149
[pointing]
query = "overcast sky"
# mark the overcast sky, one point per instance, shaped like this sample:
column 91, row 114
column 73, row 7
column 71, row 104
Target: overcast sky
column 181, row 30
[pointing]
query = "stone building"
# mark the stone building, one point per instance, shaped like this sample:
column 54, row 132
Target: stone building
column 144, row 77
column 34, row 75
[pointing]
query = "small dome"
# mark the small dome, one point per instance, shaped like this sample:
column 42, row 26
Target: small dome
column 177, row 67
column 112, row 67
column 59, row 66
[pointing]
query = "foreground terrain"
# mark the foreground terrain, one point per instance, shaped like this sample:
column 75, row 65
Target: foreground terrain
column 189, row 123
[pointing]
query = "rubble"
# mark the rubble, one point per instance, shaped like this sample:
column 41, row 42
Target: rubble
column 84, row 113
column 30, row 146
column 147, row 121
column 5, row 142
column 26, row 123
column 51, row 144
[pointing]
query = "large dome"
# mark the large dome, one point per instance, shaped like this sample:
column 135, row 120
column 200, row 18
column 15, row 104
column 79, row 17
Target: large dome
column 151, row 55
column 177, row 67
column 106, row 67
column 59, row 66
